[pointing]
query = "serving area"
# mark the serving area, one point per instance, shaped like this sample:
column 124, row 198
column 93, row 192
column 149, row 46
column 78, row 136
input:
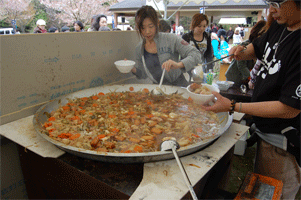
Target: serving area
column 53, row 66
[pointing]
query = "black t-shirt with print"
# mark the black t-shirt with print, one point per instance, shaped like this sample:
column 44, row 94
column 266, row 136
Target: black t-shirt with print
column 279, row 77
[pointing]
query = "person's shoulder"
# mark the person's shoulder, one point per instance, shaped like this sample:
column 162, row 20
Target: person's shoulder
column 167, row 36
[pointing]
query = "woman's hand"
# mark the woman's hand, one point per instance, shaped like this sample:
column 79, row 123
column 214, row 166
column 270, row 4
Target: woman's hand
column 222, row 104
column 170, row 64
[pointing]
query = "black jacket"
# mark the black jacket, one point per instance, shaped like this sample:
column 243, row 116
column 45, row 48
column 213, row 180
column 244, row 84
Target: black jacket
column 208, row 55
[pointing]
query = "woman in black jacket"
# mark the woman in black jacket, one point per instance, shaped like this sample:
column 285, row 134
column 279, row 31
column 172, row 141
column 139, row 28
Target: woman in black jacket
column 200, row 39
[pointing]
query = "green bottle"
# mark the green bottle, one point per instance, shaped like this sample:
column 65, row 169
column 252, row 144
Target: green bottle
column 209, row 77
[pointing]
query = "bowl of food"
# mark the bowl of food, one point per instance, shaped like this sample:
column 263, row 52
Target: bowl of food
column 201, row 93
column 124, row 66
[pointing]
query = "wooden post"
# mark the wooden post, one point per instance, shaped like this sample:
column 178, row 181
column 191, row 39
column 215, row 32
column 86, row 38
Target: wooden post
column 115, row 19
column 178, row 18
column 259, row 16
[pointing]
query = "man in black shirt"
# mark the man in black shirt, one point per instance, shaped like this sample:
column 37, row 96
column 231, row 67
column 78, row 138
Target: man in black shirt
column 276, row 98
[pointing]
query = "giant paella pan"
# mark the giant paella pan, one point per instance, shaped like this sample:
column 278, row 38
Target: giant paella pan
column 97, row 129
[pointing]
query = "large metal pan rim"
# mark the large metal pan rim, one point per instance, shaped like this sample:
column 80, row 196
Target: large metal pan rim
column 40, row 118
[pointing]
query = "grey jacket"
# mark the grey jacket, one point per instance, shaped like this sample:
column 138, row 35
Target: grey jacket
column 169, row 46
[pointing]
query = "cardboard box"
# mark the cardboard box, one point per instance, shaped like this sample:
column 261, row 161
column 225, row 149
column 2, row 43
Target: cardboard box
column 36, row 68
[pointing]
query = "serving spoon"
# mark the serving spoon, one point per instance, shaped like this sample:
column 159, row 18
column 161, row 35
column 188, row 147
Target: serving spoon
column 158, row 90
column 173, row 146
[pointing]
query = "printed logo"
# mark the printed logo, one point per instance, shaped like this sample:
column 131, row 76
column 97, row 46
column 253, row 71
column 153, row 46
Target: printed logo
column 272, row 66
column 55, row 59
column 184, row 42
column 298, row 91
column 97, row 81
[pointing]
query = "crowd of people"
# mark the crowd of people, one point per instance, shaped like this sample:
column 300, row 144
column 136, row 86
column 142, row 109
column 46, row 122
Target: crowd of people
column 98, row 23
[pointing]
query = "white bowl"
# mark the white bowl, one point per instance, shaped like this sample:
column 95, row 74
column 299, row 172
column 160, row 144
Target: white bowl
column 231, row 83
column 224, row 85
column 124, row 66
column 202, row 98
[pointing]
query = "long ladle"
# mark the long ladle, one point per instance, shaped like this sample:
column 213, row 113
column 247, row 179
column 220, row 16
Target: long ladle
column 173, row 146
column 158, row 89
column 208, row 63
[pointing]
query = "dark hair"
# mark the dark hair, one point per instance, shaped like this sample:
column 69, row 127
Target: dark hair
column 257, row 30
column 197, row 19
column 143, row 13
column 65, row 28
column 164, row 26
column 95, row 25
column 52, row 30
column 80, row 24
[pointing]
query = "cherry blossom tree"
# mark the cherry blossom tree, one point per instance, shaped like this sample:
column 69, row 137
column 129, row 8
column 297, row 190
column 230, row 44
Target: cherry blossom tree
column 20, row 10
column 69, row 11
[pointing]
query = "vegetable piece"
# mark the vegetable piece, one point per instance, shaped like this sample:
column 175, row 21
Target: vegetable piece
column 148, row 137
column 101, row 136
column 75, row 118
column 138, row 149
column 109, row 145
column 66, row 108
column 195, row 86
column 131, row 88
column 145, row 90
column 94, row 142
column 149, row 116
column 64, row 135
column 75, row 136
column 135, row 140
column 85, row 99
column 94, row 97
column 119, row 138
column 51, row 119
column 47, row 124
column 156, row 130
column 116, row 130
